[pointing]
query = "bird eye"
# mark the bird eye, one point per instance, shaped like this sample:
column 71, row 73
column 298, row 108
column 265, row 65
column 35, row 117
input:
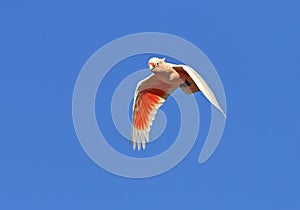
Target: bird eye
column 156, row 64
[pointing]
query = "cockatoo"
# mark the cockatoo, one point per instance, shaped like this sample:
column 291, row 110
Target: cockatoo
column 152, row 92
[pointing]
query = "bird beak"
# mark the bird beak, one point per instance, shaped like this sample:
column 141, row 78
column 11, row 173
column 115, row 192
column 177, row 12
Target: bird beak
column 151, row 66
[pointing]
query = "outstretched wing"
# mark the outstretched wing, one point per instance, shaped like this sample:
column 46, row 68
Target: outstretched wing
column 194, row 82
column 149, row 95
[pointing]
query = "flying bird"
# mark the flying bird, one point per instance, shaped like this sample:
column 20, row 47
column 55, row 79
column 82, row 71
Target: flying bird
column 153, row 91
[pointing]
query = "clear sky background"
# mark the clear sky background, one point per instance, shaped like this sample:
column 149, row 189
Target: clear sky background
column 254, row 46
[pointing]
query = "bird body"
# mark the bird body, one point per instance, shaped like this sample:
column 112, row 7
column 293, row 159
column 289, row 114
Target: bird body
column 152, row 92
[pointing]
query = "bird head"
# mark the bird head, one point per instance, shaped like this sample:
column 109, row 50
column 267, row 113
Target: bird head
column 155, row 62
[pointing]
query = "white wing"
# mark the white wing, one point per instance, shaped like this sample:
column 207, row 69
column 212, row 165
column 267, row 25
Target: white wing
column 201, row 84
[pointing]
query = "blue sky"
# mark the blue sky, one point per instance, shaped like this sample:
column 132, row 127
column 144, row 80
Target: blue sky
column 254, row 46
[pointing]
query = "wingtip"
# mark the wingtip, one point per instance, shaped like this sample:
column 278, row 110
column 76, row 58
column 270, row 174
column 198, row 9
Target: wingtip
column 134, row 145
column 221, row 110
column 138, row 146
column 144, row 145
column 224, row 114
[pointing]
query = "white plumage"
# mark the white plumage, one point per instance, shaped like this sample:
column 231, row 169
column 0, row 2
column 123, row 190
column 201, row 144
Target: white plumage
column 152, row 92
